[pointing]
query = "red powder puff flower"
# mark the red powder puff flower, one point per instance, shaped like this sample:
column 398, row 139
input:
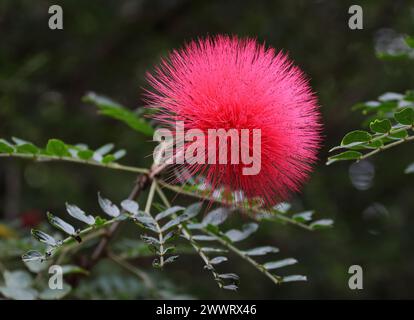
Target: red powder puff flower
column 230, row 83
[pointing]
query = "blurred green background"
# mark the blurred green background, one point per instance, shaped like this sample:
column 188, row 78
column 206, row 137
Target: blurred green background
column 108, row 46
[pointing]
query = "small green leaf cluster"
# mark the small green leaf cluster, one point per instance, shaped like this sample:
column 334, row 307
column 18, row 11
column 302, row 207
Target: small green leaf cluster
column 58, row 150
column 391, row 123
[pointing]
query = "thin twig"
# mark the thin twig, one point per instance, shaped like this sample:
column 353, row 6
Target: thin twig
column 157, row 225
column 150, row 198
column 41, row 158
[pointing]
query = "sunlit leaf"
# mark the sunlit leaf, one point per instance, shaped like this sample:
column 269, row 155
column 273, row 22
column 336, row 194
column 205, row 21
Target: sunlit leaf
column 239, row 235
column 130, row 206
column 232, row 287
column 216, row 217
column 410, row 168
column 303, row 216
column 261, row 251
column 390, row 96
column 33, row 255
column 231, row 276
column 208, row 249
column 279, row 264
column 147, row 221
column 168, row 212
column 293, row 278
column 320, row 224
column 79, row 214
column 105, row 149
column 170, row 259
column 45, row 238
column 218, row 260
column 189, row 213
column 19, row 141
column 282, row 207
column 119, row 154
column 150, row 240
column 61, row 225
column 108, row 207
column 202, row 237
column 37, row 266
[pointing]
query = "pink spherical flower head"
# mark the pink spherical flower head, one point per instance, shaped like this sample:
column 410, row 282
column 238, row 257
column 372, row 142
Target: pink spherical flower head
column 228, row 83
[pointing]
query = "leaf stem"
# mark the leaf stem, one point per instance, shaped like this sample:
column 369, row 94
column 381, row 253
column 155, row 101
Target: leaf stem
column 157, row 225
column 41, row 158
column 150, row 197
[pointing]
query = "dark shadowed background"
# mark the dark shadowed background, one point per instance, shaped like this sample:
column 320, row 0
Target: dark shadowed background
column 107, row 47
